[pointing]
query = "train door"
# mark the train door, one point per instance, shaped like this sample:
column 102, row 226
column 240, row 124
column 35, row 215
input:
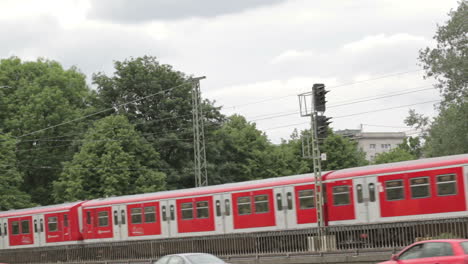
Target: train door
column 3, row 236
column 227, row 211
column 168, row 216
column 40, row 235
column 120, row 229
column 88, row 223
column 366, row 199
column 219, row 214
column 284, row 207
column 65, row 221
column 165, row 218
column 372, row 189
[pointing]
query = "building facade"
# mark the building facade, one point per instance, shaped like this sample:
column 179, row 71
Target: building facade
column 373, row 143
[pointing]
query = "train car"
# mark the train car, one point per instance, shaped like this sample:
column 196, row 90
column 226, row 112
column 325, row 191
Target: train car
column 262, row 205
column 40, row 226
column 402, row 191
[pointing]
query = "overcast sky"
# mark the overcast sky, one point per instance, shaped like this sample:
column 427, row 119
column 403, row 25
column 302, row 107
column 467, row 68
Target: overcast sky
column 257, row 55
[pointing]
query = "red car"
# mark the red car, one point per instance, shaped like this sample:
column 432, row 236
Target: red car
column 442, row 251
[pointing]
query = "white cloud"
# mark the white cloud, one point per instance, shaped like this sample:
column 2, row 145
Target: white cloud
column 383, row 42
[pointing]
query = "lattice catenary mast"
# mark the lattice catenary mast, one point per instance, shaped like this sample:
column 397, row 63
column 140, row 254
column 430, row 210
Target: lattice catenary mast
column 201, row 175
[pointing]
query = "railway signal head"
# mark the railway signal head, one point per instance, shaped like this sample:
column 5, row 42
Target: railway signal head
column 322, row 126
column 319, row 92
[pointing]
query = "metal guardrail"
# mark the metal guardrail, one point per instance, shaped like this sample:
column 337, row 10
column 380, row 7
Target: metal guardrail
column 335, row 239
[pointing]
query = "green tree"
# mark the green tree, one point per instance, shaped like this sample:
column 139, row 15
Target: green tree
column 394, row 155
column 162, row 111
column 447, row 63
column 41, row 94
column 412, row 145
column 341, row 153
column 11, row 197
column 113, row 160
column 243, row 152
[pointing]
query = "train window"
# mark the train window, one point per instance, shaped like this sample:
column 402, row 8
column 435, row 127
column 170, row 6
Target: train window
column 164, row 216
column 88, row 217
column 279, row 201
column 306, row 199
column 290, row 202
column 5, row 229
column 187, row 211
column 150, row 214
column 341, row 195
column 243, row 205
column 218, row 208
column 446, row 184
column 15, row 228
column 360, row 199
column 261, row 204
column 172, row 212
column 52, row 224
column 25, row 227
column 227, row 205
column 395, row 190
column 35, row 227
column 116, row 217
column 65, row 220
column 41, row 225
column 202, row 209
column 1, row 234
column 420, row 187
column 136, row 215
column 122, row 217
column 103, row 219
column 371, row 192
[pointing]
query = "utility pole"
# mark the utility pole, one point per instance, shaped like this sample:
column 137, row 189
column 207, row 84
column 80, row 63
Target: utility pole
column 201, row 175
column 311, row 104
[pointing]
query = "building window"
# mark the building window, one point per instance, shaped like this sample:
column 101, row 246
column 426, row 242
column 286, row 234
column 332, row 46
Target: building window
column 306, row 199
column 386, row 146
column 103, row 219
column 187, row 211
column 243, row 205
column 261, row 204
column 52, row 224
column 420, row 187
column 394, row 190
column 203, row 209
column 341, row 195
column 372, row 146
column 150, row 214
column 446, row 184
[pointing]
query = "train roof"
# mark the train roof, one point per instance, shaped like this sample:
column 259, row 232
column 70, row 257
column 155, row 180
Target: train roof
column 229, row 187
column 40, row 209
column 399, row 166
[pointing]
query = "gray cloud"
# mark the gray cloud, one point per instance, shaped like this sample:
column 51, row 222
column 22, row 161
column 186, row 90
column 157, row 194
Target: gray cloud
column 134, row 11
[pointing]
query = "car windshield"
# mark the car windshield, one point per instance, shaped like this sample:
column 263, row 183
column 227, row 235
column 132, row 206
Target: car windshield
column 464, row 246
column 204, row 259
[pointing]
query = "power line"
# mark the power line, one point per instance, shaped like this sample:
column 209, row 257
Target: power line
column 336, row 86
column 102, row 111
column 377, row 110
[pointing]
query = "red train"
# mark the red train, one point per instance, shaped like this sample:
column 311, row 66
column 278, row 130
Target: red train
column 420, row 189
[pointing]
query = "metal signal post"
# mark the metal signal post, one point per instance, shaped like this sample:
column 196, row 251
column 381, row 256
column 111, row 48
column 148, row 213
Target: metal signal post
column 201, row 175
column 311, row 104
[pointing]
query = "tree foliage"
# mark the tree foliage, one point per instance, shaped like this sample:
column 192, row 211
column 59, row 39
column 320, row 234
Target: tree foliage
column 11, row 197
column 394, row 155
column 162, row 111
column 113, row 160
column 341, row 153
column 41, row 94
column 448, row 64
